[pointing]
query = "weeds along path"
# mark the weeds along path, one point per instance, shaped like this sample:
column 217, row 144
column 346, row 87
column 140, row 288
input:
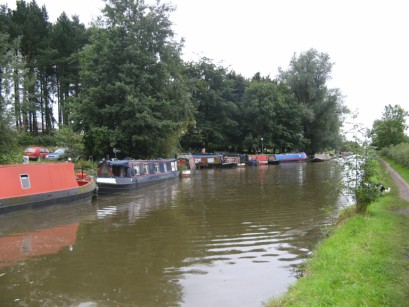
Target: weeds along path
column 403, row 187
column 399, row 181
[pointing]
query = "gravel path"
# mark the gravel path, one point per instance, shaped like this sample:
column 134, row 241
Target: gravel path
column 403, row 186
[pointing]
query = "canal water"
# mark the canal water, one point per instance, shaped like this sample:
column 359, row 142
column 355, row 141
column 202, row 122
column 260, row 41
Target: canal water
column 223, row 237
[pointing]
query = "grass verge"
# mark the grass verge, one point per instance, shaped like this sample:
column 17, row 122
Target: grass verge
column 365, row 262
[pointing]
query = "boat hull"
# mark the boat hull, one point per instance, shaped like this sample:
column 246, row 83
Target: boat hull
column 291, row 157
column 321, row 158
column 44, row 188
column 122, row 175
column 111, row 185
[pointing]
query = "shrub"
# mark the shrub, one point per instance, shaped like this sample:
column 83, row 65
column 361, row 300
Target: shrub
column 398, row 153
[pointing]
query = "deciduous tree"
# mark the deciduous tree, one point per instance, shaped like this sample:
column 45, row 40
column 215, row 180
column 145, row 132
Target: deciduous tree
column 322, row 107
column 390, row 130
column 134, row 96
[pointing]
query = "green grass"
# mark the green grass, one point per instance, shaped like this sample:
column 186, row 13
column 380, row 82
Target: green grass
column 403, row 171
column 363, row 263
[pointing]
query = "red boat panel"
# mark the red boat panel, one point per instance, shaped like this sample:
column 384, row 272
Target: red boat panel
column 29, row 179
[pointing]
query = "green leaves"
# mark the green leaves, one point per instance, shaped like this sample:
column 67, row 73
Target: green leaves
column 321, row 108
column 390, row 130
column 131, row 83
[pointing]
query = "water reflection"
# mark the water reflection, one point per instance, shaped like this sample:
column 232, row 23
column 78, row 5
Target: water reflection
column 221, row 237
column 20, row 246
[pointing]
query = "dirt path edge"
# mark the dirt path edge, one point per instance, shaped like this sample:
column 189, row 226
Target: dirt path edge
column 403, row 186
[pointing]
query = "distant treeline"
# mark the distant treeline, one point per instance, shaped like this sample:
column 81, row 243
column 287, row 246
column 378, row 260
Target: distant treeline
column 122, row 83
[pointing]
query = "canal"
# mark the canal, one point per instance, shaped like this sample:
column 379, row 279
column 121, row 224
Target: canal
column 223, row 237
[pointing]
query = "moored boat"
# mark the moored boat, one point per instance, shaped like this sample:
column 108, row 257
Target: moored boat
column 186, row 164
column 40, row 184
column 259, row 159
column 321, row 157
column 116, row 175
column 242, row 160
column 230, row 161
column 272, row 160
column 208, row 160
column 292, row 157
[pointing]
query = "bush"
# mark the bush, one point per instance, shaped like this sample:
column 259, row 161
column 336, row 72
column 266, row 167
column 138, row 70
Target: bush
column 398, row 153
column 26, row 139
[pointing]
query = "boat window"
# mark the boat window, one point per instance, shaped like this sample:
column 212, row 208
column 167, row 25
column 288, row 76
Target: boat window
column 25, row 181
column 157, row 168
column 165, row 167
column 116, row 170
column 122, row 172
column 136, row 169
column 146, row 167
column 174, row 166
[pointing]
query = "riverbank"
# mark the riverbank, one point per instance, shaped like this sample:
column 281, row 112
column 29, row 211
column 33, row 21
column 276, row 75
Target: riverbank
column 364, row 262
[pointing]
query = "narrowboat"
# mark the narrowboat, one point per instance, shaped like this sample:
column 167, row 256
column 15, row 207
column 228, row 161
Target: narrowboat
column 292, row 157
column 40, row 184
column 117, row 175
column 321, row 157
column 230, row 161
column 272, row 160
column 186, row 164
column 259, row 159
column 208, row 160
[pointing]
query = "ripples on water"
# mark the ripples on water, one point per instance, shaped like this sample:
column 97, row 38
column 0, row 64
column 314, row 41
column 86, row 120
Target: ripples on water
column 224, row 237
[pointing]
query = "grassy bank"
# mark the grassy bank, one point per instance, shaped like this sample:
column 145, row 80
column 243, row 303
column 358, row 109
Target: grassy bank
column 365, row 262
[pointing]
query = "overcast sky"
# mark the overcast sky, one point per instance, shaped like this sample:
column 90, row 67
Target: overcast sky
column 366, row 40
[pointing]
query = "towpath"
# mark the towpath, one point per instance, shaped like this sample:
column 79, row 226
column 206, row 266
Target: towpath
column 403, row 186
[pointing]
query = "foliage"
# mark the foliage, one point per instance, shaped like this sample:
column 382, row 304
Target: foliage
column 390, row 130
column 8, row 144
column 28, row 139
column 398, row 153
column 65, row 137
column 68, row 37
column 361, row 178
column 402, row 170
column 45, row 65
column 134, row 97
column 217, row 94
column 368, row 190
column 122, row 84
column 322, row 108
column 270, row 112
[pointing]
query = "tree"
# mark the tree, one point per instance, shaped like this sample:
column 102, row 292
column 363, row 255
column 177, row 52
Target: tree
column 29, row 22
column 271, row 112
column 217, row 94
column 322, row 108
column 67, row 38
column 360, row 177
column 134, row 96
column 8, row 144
column 390, row 130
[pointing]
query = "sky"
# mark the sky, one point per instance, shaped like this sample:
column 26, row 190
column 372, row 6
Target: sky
column 366, row 41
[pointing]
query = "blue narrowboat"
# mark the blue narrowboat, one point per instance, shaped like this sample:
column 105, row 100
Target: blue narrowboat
column 117, row 175
column 292, row 157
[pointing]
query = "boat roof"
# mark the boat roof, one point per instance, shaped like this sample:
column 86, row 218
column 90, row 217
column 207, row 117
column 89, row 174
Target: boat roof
column 126, row 162
column 207, row 155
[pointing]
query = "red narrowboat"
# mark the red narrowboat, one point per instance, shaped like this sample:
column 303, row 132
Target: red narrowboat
column 39, row 184
column 259, row 159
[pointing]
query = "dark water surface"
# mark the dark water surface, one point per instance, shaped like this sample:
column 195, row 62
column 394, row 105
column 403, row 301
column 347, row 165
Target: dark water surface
column 224, row 237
